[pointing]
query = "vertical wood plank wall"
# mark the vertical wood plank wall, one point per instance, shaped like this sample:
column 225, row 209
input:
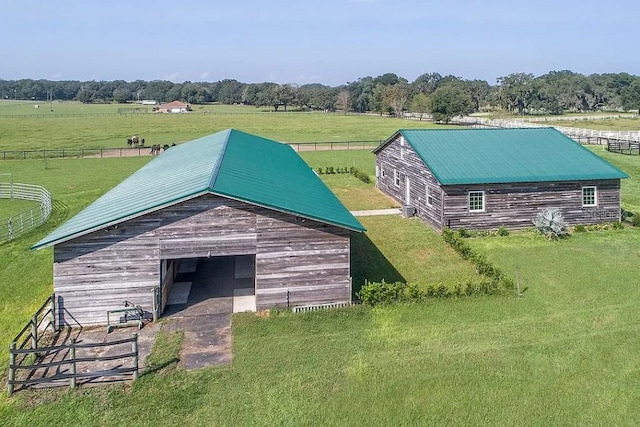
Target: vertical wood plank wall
column 98, row 271
column 511, row 205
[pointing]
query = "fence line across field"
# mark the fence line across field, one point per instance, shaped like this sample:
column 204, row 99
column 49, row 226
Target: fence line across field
column 146, row 151
column 590, row 136
column 16, row 225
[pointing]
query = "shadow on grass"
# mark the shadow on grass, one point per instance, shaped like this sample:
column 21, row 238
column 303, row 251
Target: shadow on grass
column 368, row 263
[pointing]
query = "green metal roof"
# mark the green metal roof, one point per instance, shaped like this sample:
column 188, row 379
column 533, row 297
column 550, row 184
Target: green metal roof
column 484, row 156
column 230, row 163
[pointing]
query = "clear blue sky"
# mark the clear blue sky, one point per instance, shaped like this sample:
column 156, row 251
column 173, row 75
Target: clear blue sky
column 326, row 41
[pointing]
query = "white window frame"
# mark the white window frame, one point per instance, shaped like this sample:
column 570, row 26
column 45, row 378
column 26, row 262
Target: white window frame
column 595, row 196
column 396, row 178
column 382, row 171
column 429, row 196
column 483, row 198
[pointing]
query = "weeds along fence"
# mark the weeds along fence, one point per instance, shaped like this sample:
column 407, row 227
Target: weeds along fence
column 36, row 359
column 16, row 225
column 63, row 153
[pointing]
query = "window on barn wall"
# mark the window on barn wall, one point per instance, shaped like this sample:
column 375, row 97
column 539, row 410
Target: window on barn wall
column 589, row 196
column 396, row 178
column 429, row 196
column 476, row 201
column 382, row 171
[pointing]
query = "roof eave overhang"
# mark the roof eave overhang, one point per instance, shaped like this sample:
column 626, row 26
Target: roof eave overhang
column 386, row 142
column 119, row 220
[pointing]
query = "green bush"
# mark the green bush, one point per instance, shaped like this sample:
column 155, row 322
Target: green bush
column 635, row 220
column 360, row 175
column 579, row 228
column 617, row 225
column 502, row 231
column 377, row 293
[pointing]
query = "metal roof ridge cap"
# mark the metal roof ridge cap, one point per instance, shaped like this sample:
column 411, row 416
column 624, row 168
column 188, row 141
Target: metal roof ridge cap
column 216, row 167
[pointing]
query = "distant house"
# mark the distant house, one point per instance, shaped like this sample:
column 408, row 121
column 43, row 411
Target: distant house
column 247, row 212
column 487, row 178
column 174, row 107
column 149, row 102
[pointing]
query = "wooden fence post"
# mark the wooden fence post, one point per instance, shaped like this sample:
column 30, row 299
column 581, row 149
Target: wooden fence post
column 134, row 350
column 12, row 371
column 72, row 353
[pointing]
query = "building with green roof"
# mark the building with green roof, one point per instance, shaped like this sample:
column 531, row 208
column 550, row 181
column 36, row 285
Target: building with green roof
column 488, row 178
column 250, row 204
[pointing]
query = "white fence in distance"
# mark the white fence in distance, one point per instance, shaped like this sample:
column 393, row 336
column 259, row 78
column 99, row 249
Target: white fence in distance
column 16, row 225
column 589, row 135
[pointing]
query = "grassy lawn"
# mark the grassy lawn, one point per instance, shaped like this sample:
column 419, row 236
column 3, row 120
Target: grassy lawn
column 11, row 207
column 623, row 124
column 96, row 132
column 563, row 354
column 630, row 187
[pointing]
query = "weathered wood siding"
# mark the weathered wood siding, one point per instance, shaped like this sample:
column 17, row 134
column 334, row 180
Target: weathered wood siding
column 510, row 205
column 402, row 158
column 515, row 205
column 308, row 260
column 98, row 271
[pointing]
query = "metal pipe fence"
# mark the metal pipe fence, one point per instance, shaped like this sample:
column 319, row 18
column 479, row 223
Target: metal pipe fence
column 16, row 225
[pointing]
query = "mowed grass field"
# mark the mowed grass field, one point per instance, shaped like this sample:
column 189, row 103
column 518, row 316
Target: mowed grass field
column 33, row 133
column 563, row 354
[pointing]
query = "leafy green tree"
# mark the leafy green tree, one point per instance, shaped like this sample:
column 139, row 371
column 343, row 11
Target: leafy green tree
column 420, row 104
column 516, row 91
column 343, row 101
column 396, row 97
column 426, row 83
column 121, row 95
column 631, row 96
column 479, row 91
column 450, row 101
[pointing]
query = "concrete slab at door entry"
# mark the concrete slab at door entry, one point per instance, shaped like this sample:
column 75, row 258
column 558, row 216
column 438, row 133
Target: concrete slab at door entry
column 244, row 299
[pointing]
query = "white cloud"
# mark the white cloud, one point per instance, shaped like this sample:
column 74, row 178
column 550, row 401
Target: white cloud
column 204, row 75
column 173, row 77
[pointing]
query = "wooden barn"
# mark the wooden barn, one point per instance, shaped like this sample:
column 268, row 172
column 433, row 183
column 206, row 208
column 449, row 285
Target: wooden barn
column 245, row 209
column 487, row 178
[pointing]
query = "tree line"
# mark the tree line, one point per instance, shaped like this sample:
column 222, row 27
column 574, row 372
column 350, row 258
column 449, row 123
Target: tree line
column 442, row 96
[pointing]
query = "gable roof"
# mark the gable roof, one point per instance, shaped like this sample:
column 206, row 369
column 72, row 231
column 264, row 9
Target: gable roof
column 231, row 164
column 174, row 104
column 489, row 156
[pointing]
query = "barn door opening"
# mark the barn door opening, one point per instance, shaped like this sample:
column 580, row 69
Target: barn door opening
column 222, row 284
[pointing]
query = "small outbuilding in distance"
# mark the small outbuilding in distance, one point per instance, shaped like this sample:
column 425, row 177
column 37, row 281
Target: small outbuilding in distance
column 244, row 215
column 487, row 178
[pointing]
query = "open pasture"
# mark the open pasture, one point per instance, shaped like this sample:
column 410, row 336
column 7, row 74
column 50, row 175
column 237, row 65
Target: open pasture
column 565, row 353
column 30, row 133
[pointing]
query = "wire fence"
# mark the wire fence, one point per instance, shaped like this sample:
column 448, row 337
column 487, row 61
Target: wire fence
column 16, row 225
